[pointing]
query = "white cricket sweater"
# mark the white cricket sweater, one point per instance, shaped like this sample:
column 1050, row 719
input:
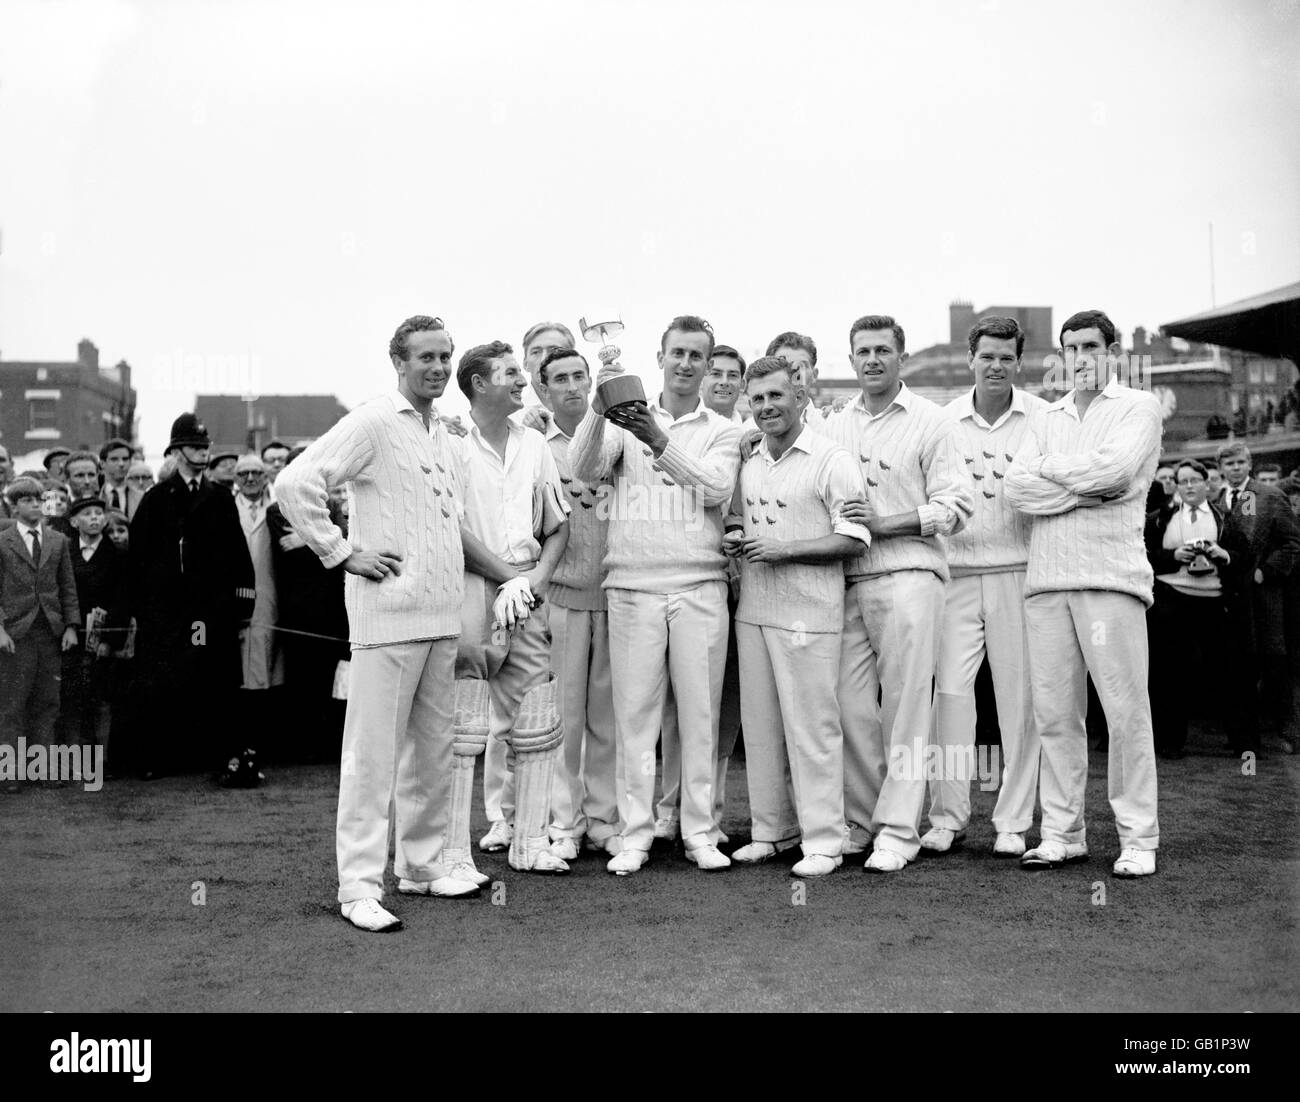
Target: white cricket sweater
column 406, row 496
column 1112, row 451
column 996, row 538
column 665, row 520
column 911, row 462
column 797, row 497
column 577, row 580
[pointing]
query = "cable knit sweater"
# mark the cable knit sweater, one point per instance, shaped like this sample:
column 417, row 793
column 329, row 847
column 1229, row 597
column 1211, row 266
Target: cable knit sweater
column 996, row 537
column 797, row 497
column 665, row 514
column 577, row 580
column 911, row 461
column 1112, row 453
column 406, row 497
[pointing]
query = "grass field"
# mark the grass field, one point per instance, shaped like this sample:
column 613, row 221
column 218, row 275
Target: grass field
column 99, row 914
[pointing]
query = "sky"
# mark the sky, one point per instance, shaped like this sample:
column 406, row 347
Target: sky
column 249, row 197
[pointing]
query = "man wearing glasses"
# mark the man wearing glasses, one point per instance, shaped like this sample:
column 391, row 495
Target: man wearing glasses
column 191, row 588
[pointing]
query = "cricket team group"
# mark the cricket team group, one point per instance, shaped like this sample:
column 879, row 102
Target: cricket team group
column 563, row 588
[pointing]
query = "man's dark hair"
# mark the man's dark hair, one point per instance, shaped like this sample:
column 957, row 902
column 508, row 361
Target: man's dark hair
column 478, row 361
column 793, row 340
column 272, row 444
column 1089, row 319
column 764, row 366
column 1003, row 329
column 1196, row 465
column 879, row 321
column 727, row 350
column 294, row 452
column 687, row 323
column 1268, row 468
column 420, row 323
column 23, row 487
column 555, row 356
column 112, row 446
column 81, row 457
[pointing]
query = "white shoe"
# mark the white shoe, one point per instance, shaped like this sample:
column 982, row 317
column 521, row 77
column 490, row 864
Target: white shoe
column 566, row 849
column 369, row 914
column 468, row 872
column 816, row 864
column 708, row 858
column 446, row 886
column 1052, row 855
column 1133, row 863
column 941, row 839
column 757, row 852
column 1009, row 845
column 627, row 861
column 885, row 860
column 497, row 838
column 665, row 830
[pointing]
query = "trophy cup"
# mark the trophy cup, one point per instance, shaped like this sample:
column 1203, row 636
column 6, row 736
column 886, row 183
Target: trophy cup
column 623, row 389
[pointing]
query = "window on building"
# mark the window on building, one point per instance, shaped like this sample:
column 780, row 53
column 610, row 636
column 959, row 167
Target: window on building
column 1270, row 373
column 42, row 413
column 1256, row 373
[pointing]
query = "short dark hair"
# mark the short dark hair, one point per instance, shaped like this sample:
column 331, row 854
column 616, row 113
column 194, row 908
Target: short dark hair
column 419, row 323
column 793, row 340
column 687, row 323
column 112, row 446
column 23, row 487
column 879, row 321
column 81, row 457
column 1196, row 465
column 542, row 327
column 269, row 445
column 1271, row 468
column 1289, row 485
column 1003, row 329
column 727, row 350
column 764, row 366
column 560, row 354
column 1089, row 319
column 478, row 361
column 294, row 452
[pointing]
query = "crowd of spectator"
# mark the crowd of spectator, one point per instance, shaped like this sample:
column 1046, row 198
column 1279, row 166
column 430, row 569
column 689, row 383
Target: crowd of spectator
column 178, row 623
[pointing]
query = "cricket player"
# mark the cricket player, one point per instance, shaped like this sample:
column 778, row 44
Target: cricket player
column 513, row 506
column 792, row 493
column 918, row 489
column 720, row 391
column 405, row 562
column 1083, row 472
column 498, row 766
column 585, row 799
column 673, row 463
column 983, row 610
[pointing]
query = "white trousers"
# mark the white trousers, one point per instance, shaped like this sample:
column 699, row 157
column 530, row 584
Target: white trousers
column 794, row 749
column 1073, row 633
column 585, row 799
column 984, row 613
column 397, row 738
column 655, row 637
column 891, row 632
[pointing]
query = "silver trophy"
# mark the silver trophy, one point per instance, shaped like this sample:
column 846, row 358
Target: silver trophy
column 622, row 390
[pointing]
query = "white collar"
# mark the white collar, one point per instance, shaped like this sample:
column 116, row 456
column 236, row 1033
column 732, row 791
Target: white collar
column 903, row 399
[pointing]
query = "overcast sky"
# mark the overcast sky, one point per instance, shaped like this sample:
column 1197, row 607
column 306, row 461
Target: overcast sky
column 187, row 184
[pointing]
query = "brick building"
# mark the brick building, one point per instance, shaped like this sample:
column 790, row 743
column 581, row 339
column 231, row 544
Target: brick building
column 75, row 404
column 240, row 424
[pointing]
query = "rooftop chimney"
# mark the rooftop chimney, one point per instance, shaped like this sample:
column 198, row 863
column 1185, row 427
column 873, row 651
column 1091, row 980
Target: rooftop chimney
column 88, row 354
